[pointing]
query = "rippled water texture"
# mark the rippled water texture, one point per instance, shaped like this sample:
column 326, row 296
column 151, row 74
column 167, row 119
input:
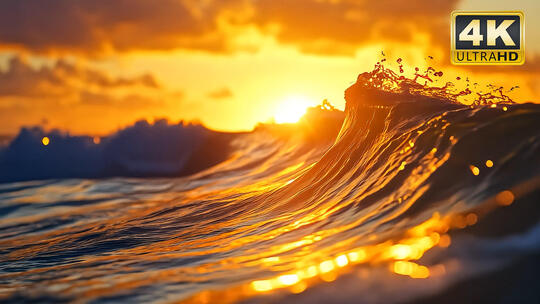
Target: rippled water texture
column 414, row 196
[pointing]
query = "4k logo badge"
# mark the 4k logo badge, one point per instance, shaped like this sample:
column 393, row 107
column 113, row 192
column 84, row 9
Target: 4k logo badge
column 486, row 38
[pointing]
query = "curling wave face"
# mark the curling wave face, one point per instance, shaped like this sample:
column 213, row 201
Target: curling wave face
column 416, row 194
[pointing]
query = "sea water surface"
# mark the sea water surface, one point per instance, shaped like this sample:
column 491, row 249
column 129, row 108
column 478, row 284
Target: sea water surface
column 407, row 198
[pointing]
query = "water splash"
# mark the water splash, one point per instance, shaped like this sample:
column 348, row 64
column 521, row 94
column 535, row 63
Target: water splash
column 385, row 79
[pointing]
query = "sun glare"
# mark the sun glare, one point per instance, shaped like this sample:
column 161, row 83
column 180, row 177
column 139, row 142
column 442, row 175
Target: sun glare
column 292, row 109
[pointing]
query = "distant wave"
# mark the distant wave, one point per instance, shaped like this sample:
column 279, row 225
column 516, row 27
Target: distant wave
column 158, row 149
column 144, row 149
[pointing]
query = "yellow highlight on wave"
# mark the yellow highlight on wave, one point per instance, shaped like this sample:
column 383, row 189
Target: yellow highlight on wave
column 420, row 239
column 411, row 269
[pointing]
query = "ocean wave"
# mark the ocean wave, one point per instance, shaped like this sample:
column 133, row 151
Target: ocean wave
column 143, row 149
column 413, row 196
column 158, row 149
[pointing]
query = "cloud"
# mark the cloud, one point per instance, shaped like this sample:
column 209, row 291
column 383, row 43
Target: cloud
column 133, row 101
column 70, row 93
column 61, row 79
column 95, row 26
column 324, row 27
column 320, row 26
column 341, row 26
column 221, row 93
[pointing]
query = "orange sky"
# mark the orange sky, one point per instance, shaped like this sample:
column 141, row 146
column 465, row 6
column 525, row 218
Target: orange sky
column 92, row 66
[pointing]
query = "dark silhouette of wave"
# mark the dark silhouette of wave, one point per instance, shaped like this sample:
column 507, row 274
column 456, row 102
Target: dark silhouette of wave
column 141, row 150
column 158, row 149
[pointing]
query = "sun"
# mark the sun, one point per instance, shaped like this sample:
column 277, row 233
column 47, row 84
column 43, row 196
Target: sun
column 291, row 109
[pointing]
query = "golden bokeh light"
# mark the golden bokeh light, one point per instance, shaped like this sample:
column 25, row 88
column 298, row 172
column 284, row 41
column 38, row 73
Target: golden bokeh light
column 342, row 260
column 445, row 241
column 505, row 198
column 356, row 256
column 45, row 141
column 263, row 285
column 471, row 219
column 400, row 255
column 298, row 288
column 289, row 279
column 326, row 266
column 411, row 269
column 400, row 251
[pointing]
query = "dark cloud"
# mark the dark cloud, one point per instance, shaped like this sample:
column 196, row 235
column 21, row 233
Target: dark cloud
column 93, row 26
column 130, row 101
column 323, row 26
column 341, row 26
column 221, row 93
column 327, row 27
column 69, row 93
column 60, row 79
